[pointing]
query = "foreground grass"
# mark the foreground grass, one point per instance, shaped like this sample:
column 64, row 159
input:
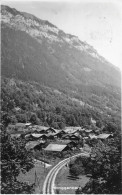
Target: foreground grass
column 37, row 175
column 66, row 185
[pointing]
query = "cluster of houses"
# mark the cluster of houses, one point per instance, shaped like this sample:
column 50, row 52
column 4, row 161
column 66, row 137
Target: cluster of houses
column 53, row 140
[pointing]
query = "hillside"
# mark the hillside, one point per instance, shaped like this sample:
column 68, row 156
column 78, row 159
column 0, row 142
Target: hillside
column 33, row 49
column 31, row 101
column 36, row 51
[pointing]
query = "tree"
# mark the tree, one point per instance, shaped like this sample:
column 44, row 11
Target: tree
column 22, row 118
column 34, row 119
column 5, row 119
column 104, row 166
column 58, row 110
column 76, row 168
column 15, row 159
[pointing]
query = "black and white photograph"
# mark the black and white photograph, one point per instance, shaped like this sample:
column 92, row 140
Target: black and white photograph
column 61, row 64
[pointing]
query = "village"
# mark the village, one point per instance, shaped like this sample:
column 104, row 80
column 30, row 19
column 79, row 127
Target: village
column 48, row 144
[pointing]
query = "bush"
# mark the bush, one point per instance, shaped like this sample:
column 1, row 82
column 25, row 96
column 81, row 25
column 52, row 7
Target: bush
column 76, row 169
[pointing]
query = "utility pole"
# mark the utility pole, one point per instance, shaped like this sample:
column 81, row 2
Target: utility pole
column 35, row 178
column 44, row 160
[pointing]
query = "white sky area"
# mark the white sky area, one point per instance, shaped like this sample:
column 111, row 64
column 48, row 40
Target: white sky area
column 97, row 22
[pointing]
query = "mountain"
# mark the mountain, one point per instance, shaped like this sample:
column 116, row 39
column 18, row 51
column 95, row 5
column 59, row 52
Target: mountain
column 34, row 50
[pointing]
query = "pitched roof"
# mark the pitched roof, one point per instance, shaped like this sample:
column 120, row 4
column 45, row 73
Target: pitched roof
column 51, row 129
column 32, row 144
column 36, row 135
column 43, row 128
column 55, row 147
column 20, row 124
column 88, row 130
column 70, row 130
column 92, row 136
column 103, row 136
column 27, row 124
column 74, row 128
column 15, row 135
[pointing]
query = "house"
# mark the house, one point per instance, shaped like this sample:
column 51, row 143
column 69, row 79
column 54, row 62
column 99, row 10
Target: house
column 33, row 145
column 28, row 136
column 27, row 124
column 77, row 133
column 36, row 136
column 42, row 129
column 74, row 137
column 56, row 147
column 66, row 136
column 15, row 135
column 20, row 126
column 44, row 137
column 104, row 136
column 97, row 131
column 60, row 133
column 71, row 129
column 51, row 130
column 92, row 136
column 87, row 131
column 51, row 136
column 69, row 143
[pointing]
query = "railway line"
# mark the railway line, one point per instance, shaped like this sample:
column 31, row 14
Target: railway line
column 49, row 183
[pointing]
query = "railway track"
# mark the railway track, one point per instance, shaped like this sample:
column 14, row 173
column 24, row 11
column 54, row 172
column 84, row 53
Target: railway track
column 49, row 183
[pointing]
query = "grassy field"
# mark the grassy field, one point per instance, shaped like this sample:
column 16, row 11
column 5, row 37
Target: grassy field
column 66, row 185
column 37, row 175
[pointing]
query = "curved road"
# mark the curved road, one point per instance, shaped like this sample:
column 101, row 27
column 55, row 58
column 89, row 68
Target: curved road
column 49, row 183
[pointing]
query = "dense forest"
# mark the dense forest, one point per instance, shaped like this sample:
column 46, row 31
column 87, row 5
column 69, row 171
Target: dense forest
column 29, row 101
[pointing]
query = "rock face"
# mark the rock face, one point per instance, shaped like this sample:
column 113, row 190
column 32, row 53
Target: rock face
column 34, row 49
column 41, row 29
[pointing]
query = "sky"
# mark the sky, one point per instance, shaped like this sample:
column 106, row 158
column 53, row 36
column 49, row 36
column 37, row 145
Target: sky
column 98, row 22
